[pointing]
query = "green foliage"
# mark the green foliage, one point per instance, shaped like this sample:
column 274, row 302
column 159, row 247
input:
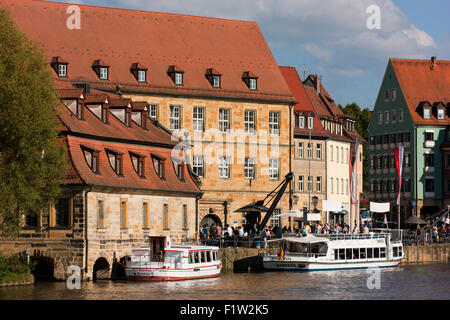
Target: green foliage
column 28, row 178
column 13, row 268
column 362, row 118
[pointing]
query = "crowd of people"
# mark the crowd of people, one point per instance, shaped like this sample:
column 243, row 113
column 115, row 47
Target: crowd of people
column 439, row 233
column 216, row 232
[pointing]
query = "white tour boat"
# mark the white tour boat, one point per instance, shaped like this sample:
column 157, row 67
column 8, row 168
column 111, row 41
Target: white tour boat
column 161, row 261
column 334, row 252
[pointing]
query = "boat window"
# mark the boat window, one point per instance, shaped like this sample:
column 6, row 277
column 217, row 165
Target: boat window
column 348, row 254
column 400, row 253
column 191, row 257
column 395, row 249
column 382, row 252
column 335, row 254
column 208, row 256
column 355, row 253
column 215, row 255
column 362, row 253
column 203, row 255
column 197, row 257
column 376, row 252
column 369, row 253
column 341, row 254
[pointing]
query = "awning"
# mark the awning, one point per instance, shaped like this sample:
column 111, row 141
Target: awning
column 257, row 206
column 308, row 239
column 331, row 205
column 379, row 207
column 293, row 213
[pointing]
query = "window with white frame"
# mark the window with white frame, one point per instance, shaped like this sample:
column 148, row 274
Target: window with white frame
column 273, row 169
column 400, row 115
column 346, row 185
column 426, row 113
column 301, row 122
column 310, row 122
column 252, row 84
column 224, row 167
column 275, row 220
column 319, row 151
column 337, row 154
column 175, row 118
column 249, row 121
column 197, row 166
column 441, row 113
column 153, row 112
column 300, row 149
column 249, row 168
column 300, row 183
column 178, row 78
column 274, row 126
column 342, row 186
column 337, row 185
column 310, row 183
column 319, row 184
column 393, row 94
column 103, row 73
column 331, row 153
column 224, row 120
column 380, row 117
column 216, row 81
column 332, row 185
column 199, row 119
column 142, row 76
column 386, row 117
column 62, row 70
column 394, row 116
column 310, row 150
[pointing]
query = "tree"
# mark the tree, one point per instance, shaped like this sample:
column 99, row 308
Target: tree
column 362, row 118
column 32, row 163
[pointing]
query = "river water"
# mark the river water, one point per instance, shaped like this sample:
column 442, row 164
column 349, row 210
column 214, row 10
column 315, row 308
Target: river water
column 418, row 282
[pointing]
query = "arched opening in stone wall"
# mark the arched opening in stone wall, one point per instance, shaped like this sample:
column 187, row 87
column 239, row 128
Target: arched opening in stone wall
column 101, row 270
column 209, row 220
column 44, row 267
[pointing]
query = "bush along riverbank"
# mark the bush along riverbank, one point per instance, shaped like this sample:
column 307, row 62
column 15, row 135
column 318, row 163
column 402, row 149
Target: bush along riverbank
column 15, row 270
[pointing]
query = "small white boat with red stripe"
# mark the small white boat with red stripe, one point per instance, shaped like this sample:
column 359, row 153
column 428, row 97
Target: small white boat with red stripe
column 161, row 261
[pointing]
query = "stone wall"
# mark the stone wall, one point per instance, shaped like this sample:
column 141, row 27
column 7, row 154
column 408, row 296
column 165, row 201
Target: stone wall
column 426, row 253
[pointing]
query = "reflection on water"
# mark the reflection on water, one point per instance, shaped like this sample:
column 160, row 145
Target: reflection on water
column 430, row 281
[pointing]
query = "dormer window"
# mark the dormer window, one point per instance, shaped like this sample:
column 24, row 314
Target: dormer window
column 138, row 164
column 251, row 80
column 97, row 105
column 62, row 70
column 310, row 122
column 427, row 113
column 60, row 66
column 91, row 156
column 301, row 122
column 139, row 72
column 213, row 77
column 101, row 68
column 179, row 169
column 176, row 74
column 158, row 164
column 75, row 107
column 139, row 113
column 121, row 109
column 441, row 113
column 116, row 161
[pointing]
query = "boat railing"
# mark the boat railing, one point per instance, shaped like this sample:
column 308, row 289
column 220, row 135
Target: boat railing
column 350, row 236
column 307, row 255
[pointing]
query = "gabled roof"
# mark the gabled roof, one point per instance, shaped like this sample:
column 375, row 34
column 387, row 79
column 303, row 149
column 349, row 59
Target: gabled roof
column 156, row 40
column 421, row 81
column 303, row 103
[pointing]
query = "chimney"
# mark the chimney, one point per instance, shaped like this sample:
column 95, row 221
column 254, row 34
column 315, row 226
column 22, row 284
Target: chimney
column 317, row 83
column 433, row 62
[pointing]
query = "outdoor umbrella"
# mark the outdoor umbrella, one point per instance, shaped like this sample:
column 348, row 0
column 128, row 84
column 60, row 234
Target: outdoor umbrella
column 415, row 220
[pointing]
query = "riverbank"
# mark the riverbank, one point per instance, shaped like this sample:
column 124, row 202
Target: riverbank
column 17, row 279
column 245, row 260
column 15, row 270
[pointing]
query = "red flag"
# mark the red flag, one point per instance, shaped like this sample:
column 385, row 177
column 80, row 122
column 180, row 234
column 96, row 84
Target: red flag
column 398, row 153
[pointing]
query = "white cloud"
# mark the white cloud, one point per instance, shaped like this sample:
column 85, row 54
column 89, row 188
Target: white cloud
column 317, row 51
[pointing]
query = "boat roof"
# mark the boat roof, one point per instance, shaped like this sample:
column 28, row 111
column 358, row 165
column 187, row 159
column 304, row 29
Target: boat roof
column 308, row 239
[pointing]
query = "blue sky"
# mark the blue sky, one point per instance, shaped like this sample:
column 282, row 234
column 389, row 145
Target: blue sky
column 330, row 37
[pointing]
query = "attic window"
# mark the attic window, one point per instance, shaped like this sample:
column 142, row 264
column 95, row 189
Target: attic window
column 213, row 77
column 251, row 80
column 441, row 113
column 158, row 164
column 138, row 164
column 427, row 113
column 101, row 68
column 116, row 161
column 179, row 170
column 139, row 72
column 176, row 74
column 60, row 66
column 75, row 107
column 91, row 156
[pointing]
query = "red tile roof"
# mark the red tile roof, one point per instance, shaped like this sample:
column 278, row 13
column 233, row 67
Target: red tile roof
column 420, row 82
column 157, row 40
column 130, row 179
column 303, row 103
